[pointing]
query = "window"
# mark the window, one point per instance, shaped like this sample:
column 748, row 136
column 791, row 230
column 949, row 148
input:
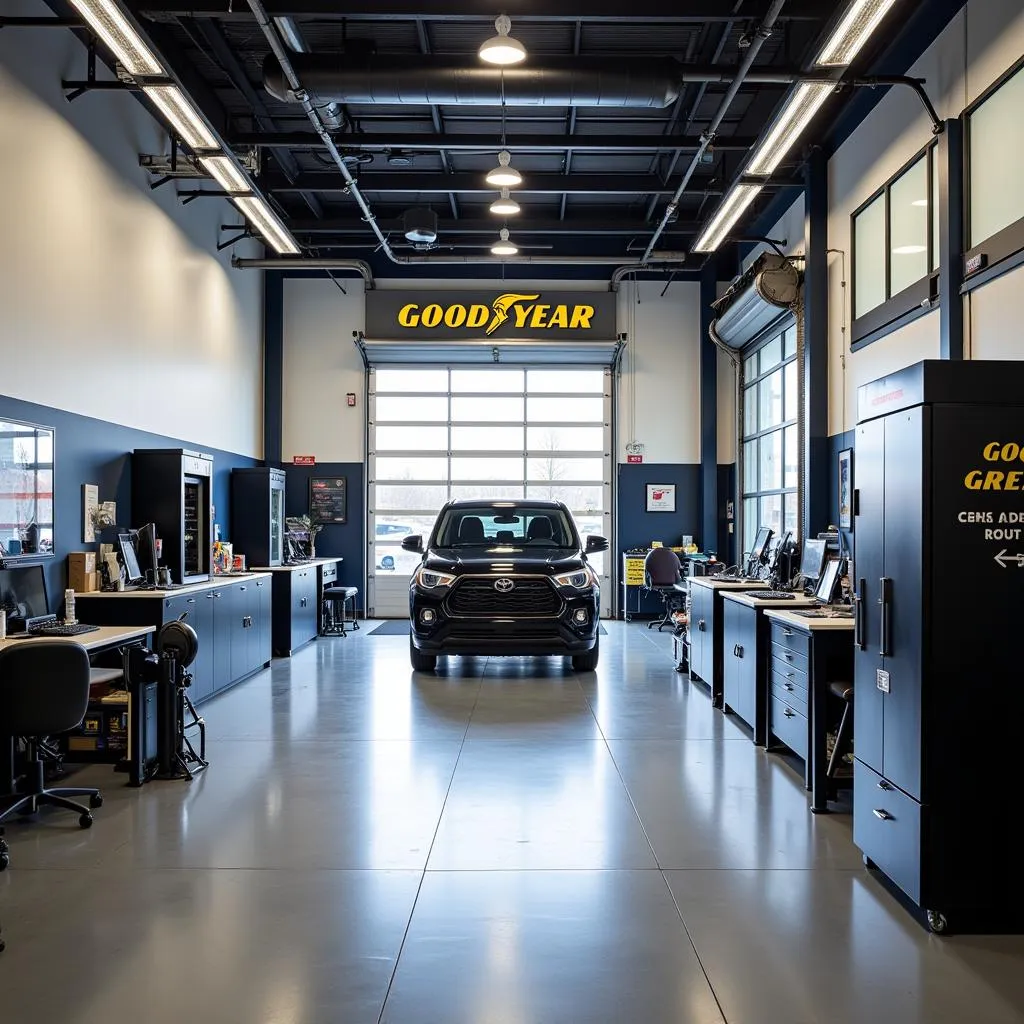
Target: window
column 771, row 408
column 896, row 240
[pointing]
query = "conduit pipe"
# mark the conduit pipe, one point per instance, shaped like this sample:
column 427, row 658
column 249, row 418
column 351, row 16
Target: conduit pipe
column 762, row 33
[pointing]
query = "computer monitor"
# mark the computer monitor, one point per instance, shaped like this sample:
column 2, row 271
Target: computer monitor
column 829, row 578
column 23, row 592
column 145, row 551
column 757, row 551
column 130, row 561
column 779, row 550
column 813, row 556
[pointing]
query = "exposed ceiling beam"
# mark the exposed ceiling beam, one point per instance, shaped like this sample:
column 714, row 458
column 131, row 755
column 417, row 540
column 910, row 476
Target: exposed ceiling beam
column 621, row 226
column 487, row 143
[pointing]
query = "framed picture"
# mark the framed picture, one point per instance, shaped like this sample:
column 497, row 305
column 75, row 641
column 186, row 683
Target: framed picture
column 661, row 497
column 846, row 489
column 327, row 499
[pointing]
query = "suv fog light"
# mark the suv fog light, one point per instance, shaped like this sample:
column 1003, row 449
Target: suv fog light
column 580, row 616
column 427, row 616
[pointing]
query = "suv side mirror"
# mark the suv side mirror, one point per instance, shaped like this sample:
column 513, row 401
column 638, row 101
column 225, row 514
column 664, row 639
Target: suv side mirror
column 414, row 542
column 595, row 544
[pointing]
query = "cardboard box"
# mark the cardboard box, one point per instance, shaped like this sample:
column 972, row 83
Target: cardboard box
column 82, row 575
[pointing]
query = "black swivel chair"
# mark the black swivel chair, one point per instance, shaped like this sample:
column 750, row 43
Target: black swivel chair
column 44, row 690
column 662, row 571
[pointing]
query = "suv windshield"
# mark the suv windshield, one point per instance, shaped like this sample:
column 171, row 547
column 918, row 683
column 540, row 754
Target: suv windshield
column 490, row 527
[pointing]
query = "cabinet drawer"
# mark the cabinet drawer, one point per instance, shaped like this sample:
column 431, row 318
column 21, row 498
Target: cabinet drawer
column 791, row 639
column 887, row 827
column 785, row 656
column 787, row 672
column 788, row 725
column 796, row 699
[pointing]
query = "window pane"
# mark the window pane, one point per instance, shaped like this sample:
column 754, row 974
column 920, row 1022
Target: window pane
column 750, row 524
column 412, row 439
column 410, row 496
column 789, row 342
column 770, row 401
column 488, row 409
column 565, row 410
column 565, row 439
column 487, row 469
column 792, row 469
column 556, row 468
column 792, row 393
column 412, row 469
column 935, row 207
column 909, row 225
column 576, row 381
column 771, row 512
column 487, row 380
column 869, row 257
column 488, row 491
column 750, row 467
column 578, row 498
column 771, row 354
column 750, row 410
column 770, row 475
column 388, row 379
column 411, row 408
column 750, row 367
column 791, row 516
column 487, row 439
column 996, row 153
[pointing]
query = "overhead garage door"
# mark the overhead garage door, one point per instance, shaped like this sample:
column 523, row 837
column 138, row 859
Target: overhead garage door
column 490, row 430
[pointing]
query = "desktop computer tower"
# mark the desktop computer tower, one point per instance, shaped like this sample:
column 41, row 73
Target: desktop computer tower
column 173, row 488
column 257, row 515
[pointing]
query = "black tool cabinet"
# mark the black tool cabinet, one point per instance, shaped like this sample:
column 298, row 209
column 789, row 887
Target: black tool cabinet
column 939, row 577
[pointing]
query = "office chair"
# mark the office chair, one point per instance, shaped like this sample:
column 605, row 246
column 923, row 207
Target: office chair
column 662, row 570
column 844, row 735
column 44, row 690
column 471, row 530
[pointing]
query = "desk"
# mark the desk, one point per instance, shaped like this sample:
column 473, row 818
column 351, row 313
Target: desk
column 106, row 638
column 806, row 655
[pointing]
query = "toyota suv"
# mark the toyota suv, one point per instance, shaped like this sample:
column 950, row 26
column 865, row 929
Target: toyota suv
column 504, row 577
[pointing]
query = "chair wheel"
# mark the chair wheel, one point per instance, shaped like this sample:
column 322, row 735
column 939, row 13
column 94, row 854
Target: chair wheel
column 96, row 800
column 85, row 820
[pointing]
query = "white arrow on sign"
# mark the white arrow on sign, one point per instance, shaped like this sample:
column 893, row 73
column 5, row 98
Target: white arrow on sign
column 1003, row 559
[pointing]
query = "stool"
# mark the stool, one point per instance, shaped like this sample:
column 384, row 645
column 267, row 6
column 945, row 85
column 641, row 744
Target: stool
column 844, row 691
column 331, row 623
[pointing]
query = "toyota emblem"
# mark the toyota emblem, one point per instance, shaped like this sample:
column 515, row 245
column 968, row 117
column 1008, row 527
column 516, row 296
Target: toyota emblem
column 503, row 586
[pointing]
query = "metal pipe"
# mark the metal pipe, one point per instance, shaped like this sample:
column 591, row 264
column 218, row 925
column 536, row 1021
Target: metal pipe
column 360, row 267
column 329, row 263
column 762, row 33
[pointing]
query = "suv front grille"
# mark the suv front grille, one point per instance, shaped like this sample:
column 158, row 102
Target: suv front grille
column 529, row 596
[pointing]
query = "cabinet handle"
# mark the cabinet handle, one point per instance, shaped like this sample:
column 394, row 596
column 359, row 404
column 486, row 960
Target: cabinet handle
column 700, row 625
column 787, row 632
column 787, row 656
column 885, row 785
column 885, row 606
column 789, row 714
column 738, row 651
column 858, row 615
column 190, row 600
column 241, row 588
column 210, row 597
column 882, row 814
column 789, row 686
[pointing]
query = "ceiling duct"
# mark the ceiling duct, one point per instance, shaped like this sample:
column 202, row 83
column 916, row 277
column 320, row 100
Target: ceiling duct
column 420, row 225
column 770, row 286
column 558, row 82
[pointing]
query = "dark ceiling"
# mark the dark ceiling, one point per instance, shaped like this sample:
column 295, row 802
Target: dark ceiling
column 597, row 178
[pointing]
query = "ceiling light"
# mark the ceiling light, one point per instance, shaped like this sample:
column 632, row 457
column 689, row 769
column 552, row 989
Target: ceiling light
column 502, row 48
column 738, row 199
column 801, row 106
column 861, row 19
column 267, row 224
column 108, row 22
column 505, row 206
column 185, row 119
column 908, row 250
column 919, row 202
column 504, row 174
column 227, row 173
column 503, row 247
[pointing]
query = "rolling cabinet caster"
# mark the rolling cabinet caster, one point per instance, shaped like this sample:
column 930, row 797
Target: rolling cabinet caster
column 937, row 922
column 96, row 801
column 85, row 820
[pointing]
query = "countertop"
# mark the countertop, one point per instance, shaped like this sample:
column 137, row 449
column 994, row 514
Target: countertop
column 715, row 583
column 102, row 637
column 191, row 588
column 298, row 565
column 752, row 602
column 809, row 625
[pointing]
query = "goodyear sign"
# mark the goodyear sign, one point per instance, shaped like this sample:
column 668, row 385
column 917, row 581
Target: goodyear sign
column 498, row 314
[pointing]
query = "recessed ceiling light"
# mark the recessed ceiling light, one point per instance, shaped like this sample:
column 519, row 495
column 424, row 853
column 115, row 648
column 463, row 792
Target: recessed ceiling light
column 504, row 175
column 502, row 48
column 504, row 247
column 505, row 205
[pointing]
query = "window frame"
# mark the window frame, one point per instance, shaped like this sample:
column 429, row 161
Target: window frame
column 916, row 299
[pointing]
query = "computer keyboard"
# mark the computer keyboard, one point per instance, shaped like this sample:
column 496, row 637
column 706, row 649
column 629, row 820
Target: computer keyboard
column 62, row 629
column 773, row 595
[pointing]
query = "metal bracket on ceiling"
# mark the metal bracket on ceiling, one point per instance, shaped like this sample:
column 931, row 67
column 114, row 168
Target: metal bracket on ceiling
column 73, row 88
column 244, row 233
column 40, row 23
column 917, row 84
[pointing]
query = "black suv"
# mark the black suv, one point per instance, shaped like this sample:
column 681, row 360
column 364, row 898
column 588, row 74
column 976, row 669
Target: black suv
column 504, row 577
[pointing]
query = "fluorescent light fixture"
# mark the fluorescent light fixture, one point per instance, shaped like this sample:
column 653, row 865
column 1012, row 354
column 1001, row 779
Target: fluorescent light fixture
column 267, row 224
column 796, row 115
column 738, row 199
column 185, row 119
column 861, row 19
column 504, row 175
column 505, row 205
column 908, row 250
column 227, row 173
column 503, row 247
column 106, row 19
column 502, row 48
column 919, row 202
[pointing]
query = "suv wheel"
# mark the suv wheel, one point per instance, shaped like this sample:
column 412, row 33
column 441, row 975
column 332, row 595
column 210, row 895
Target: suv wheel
column 421, row 662
column 586, row 662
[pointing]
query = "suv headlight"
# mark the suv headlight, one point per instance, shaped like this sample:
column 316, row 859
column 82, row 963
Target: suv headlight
column 579, row 579
column 431, row 580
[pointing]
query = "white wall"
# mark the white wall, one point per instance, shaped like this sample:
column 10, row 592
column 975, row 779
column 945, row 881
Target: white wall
column 662, row 360
column 115, row 302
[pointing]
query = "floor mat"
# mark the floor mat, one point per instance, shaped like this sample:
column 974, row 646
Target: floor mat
column 400, row 627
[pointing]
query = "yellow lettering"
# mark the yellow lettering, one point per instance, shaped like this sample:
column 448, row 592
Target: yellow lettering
column 478, row 315
column 560, row 317
column 973, row 480
column 993, row 480
column 540, row 313
column 1011, row 452
column 455, row 316
column 1013, row 480
column 522, row 313
column 991, row 452
column 581, row 317
column 409, row 316
column 431, row 315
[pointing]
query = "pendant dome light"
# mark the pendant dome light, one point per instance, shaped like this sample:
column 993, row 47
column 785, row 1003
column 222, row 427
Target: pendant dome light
column 504, row 175
column 502, row 49
column 504, row 247
column 505, row 205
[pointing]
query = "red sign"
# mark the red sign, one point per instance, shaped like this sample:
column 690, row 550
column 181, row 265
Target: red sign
column 634, row 458
column 303, row 460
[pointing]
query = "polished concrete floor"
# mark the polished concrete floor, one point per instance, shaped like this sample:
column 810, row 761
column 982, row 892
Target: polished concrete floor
column 505, row 842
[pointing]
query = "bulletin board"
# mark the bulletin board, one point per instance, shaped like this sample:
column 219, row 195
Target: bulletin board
column 328, row 499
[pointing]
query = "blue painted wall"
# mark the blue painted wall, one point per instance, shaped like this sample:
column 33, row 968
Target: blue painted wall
column 637, row 526
column 92, row 451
